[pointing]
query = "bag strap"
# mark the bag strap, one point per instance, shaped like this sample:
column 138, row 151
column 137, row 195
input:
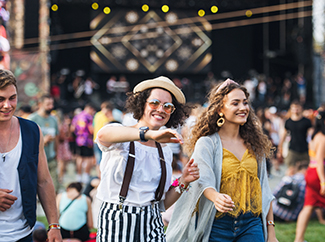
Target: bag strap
column 69, row 204
column 129, row 171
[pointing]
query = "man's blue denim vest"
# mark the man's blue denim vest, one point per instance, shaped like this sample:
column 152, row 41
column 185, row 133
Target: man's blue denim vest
column 27, row 168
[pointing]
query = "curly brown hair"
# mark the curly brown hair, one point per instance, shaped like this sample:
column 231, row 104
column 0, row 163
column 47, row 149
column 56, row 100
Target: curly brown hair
column 136, row 102
column 251, row 132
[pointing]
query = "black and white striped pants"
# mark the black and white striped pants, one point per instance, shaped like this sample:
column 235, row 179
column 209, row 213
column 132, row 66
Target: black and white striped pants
column 130, row 224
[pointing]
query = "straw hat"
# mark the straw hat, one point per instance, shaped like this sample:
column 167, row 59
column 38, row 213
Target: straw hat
column 162, row 82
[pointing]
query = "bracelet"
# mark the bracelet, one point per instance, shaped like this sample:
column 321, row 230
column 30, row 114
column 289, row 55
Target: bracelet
column 180, row 187
column 271, row 222
column 322, row 183
column 53, row 226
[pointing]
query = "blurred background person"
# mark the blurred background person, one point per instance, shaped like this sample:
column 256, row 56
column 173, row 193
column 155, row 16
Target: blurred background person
column 64, row 152
column 276, row 129
column 75, row 213
column 50, row 129
column 285, row 213
column 102, row 117
column 40, row 235
column 297, row 127
column 82, row 126
column 24, row 111
column 315, row 177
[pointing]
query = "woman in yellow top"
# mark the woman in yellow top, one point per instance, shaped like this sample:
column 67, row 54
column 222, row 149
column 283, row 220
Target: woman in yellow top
column 232, row 199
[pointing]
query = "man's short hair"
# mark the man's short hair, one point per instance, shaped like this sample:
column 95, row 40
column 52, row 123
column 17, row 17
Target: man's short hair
column 7, row 78
column 40, row 235
column 26, row 109
column 108, row 106
column 90, row 105
column 296, row 102
column 45, row 96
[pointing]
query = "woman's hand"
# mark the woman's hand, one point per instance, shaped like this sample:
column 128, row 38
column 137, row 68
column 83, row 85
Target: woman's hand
column 191, row 172
column 164, row 136
column 223, row 203
column 273, row 239
column 271, row 234
column 322, row 189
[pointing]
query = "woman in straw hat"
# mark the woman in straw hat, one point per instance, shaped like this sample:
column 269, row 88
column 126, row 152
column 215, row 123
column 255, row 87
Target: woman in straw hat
column 136, row 169
column 232, row 199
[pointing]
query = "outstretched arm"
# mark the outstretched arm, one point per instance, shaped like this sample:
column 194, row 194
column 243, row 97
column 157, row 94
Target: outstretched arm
column 118, row 134
column 190, row 173
column 46, row 193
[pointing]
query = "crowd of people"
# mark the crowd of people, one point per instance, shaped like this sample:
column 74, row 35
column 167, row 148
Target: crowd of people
column 200, row 169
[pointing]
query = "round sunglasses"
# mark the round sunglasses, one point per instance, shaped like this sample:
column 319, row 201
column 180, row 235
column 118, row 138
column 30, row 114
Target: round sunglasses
column 167, row 107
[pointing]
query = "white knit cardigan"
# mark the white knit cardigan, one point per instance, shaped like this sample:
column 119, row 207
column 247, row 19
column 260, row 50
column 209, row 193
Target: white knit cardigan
column 189, row 226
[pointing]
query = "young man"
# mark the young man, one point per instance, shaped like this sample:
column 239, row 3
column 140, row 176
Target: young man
column 297, row 126
column 50, row 129
column 102, row 117
column 24, row 172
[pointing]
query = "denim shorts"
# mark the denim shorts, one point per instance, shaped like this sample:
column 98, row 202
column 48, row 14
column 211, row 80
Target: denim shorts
column 245, row 227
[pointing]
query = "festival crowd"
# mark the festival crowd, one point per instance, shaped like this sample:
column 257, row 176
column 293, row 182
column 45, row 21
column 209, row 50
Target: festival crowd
column 150, row 164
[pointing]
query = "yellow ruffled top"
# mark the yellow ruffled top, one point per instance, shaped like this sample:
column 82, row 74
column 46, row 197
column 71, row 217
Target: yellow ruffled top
column 240, row 181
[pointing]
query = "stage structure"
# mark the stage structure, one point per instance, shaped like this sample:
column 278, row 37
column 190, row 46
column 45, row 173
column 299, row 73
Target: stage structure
column 29, row 32
column 319, row 51
column 142, row 39
column 129, row 41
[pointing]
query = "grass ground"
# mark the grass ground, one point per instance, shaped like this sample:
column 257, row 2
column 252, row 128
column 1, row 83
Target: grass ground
column 285, row 232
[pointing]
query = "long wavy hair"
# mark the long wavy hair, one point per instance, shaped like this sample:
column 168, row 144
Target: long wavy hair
column 251, row 132
column 319, row 123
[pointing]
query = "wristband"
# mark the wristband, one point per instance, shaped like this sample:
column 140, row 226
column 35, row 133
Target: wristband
column 53, row 226
column 142, row 131
column 271, row 222
column 180, row 187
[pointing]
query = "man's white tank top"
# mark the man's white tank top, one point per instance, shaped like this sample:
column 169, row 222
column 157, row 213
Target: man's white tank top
column 13, row 224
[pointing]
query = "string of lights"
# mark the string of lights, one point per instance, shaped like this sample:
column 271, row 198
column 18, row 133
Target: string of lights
column 252, row 16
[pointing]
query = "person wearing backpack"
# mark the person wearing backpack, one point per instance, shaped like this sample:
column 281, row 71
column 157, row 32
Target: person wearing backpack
column 290, row 195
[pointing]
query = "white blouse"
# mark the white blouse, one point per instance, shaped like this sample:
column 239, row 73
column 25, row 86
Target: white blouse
column 146, row 173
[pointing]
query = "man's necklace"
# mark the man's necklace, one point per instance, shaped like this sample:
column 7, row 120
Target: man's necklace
column 3, row 153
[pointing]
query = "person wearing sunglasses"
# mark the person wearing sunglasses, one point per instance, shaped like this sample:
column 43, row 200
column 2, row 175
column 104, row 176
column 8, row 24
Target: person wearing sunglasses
column 136, row 169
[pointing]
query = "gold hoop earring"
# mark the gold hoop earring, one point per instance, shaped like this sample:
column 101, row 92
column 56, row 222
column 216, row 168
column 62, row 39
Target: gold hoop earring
column 221, row 120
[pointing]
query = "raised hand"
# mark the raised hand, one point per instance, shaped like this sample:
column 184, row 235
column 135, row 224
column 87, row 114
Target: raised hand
column 191, row 172
column 6, row 200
